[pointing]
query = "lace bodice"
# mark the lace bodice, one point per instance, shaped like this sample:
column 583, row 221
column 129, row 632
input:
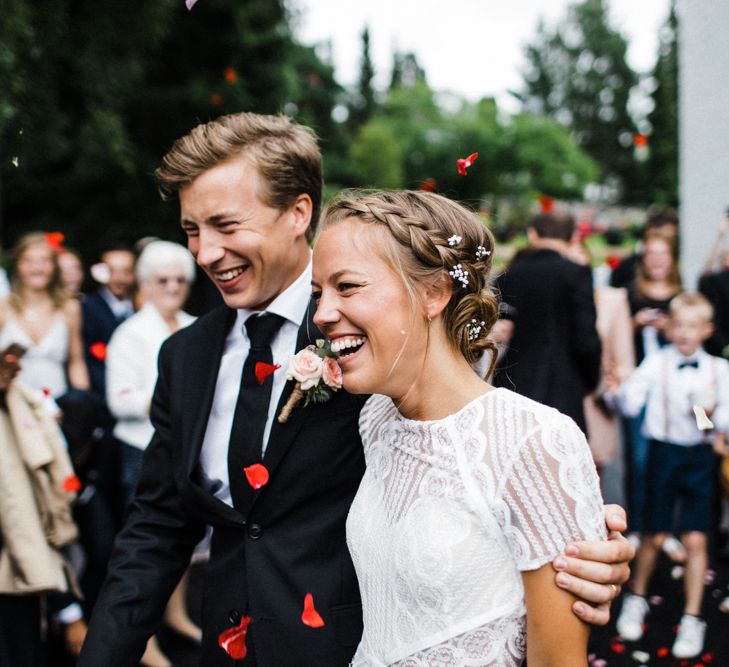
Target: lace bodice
column 448, row 514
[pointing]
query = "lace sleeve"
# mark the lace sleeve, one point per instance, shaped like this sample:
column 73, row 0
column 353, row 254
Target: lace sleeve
column 551, row 494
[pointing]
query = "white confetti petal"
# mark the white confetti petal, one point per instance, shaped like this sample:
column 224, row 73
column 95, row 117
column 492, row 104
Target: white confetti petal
column 190, row 4
column 15, row 161
column 702, row 420
column 641, row 656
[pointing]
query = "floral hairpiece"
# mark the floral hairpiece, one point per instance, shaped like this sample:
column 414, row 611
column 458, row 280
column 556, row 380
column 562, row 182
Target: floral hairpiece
column 473, row 328
column 481, row 252
column 460, row 274
column 454, row 240
column 317, row 376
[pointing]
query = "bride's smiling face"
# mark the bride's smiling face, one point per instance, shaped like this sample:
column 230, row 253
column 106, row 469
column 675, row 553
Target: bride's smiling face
column 366, row 312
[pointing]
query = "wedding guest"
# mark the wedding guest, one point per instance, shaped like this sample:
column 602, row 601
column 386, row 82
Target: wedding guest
column 658, row 219
column 554, row 353
column 657, row 282
column 40, row 316
column 250, row 188
column 615, row 328
column 452, row 567
column 670, row 384
column 714, row 285
column 72, row 272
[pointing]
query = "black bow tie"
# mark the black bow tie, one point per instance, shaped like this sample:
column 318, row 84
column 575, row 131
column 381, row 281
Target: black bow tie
column 688, row 364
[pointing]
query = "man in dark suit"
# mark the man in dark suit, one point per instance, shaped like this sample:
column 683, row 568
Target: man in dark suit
column 554, row 353
column 249, row 188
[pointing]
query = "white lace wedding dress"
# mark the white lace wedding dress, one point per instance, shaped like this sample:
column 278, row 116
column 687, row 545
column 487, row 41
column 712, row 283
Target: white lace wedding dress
column 449, row 513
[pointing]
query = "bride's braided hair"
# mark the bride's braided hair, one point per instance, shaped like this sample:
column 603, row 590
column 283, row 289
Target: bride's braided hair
column 429, row 236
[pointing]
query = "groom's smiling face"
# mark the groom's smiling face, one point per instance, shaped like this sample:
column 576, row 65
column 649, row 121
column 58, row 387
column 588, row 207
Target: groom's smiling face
column 251, row 251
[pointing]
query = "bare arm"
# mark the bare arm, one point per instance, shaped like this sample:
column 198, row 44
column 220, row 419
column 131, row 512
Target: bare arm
column 78, row 375
column 593, row 571
column 555, row 636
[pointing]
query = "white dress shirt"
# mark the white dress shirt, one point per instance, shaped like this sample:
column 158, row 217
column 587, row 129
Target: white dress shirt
column 131, row 372
column 669, row 394
column 291, row 304
column 122, row 308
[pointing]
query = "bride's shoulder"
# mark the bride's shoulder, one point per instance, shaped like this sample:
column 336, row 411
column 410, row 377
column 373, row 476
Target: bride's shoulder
column 518, row 417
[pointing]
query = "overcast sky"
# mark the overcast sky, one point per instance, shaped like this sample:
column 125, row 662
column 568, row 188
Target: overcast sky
column 471, row 47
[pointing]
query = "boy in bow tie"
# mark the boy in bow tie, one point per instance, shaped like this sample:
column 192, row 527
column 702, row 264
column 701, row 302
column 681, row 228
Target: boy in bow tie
column 685, row 392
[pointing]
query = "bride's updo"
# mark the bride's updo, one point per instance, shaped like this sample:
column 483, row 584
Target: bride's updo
column 426, row 238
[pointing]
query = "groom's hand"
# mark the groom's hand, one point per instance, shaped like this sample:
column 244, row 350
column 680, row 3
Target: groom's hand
column 595, row 570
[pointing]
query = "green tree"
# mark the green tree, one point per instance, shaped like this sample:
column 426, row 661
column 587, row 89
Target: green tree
column 663, row 162
column 364, row 103
column 376, row 156
column 92, row 98
column 578, row 75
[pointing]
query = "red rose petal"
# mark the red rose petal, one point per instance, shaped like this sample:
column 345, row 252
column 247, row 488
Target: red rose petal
column 231, row 76
column 428, row 185
column 216, row 99
column 263, row 370
column 640, row 140
column 546, row 203
column 233, row 640
column 616, row 645
column 55, row 240
column 612, row 261
column 257, row 475
column 707, row 657
column 98, row 350
column 72, row 484
column 662, row 652
column 465, row 163
column 46, row 391
column 311, row 616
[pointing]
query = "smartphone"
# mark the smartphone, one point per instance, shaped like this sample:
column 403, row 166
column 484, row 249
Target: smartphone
column 15, row 349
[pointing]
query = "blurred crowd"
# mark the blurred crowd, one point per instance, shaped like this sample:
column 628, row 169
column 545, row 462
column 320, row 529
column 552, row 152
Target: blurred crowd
column 78, row 370
column 76, row 419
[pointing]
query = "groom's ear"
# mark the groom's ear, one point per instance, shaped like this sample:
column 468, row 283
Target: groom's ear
column 437, row 295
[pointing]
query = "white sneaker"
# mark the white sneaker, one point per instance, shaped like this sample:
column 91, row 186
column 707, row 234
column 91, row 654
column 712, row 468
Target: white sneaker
column 690, row 637
column 632, row 615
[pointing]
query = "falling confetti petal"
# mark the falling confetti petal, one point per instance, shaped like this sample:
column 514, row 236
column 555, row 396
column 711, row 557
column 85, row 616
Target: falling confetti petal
column 257, row 475
column 311, row 616
column 230, row 75
column 428, row 185
column 599, row 663
column 46, row 391
column 724, row 606
column 640, row 656
column 233, row 640
column 709, row 577
column 15, row 161
column 263, row 370
column 190, row 4
column 655, row 600
column 98, row 351
column 55, row 240
column 546, row 204
column 465, row 163
column 662, row 652
column 216, row 99
column 617, row 646
column 72, row 484
column 707, row 657
column 612, row 261
column 677, row 572
column 702, row 420
column 100, row 273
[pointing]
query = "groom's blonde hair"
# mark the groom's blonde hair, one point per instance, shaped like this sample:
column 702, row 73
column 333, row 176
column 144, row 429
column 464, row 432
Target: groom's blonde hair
column 285, row 154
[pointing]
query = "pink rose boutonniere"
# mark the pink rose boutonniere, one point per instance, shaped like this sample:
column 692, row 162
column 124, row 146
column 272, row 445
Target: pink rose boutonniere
column 317, row 376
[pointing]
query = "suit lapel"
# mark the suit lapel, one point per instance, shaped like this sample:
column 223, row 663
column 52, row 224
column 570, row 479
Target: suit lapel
column 203, row 364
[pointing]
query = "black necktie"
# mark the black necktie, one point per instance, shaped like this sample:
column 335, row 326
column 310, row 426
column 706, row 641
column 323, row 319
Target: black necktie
column 251, row 409
column 688, row 364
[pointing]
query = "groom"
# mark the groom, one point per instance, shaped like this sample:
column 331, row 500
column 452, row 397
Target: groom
column 249, row 188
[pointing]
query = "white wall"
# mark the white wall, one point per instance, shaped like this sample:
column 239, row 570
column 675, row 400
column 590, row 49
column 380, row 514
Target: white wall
column 703, row 128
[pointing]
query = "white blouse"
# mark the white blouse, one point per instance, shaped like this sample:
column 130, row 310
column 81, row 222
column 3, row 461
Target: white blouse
column 448, row 514
column 131, row 372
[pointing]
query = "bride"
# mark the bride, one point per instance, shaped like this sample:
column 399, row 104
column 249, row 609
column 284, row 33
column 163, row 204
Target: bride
column 470, row 491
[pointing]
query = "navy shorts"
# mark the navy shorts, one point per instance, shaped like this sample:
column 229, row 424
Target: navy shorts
column 679, row 477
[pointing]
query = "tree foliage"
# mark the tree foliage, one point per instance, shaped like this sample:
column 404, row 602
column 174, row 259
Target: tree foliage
column 663, row 162
column 578, row 75
column 93, row 97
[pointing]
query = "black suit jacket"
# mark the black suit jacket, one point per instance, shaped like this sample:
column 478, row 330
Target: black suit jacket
column 554, row 355
column 99, row 323
column 288, row 541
